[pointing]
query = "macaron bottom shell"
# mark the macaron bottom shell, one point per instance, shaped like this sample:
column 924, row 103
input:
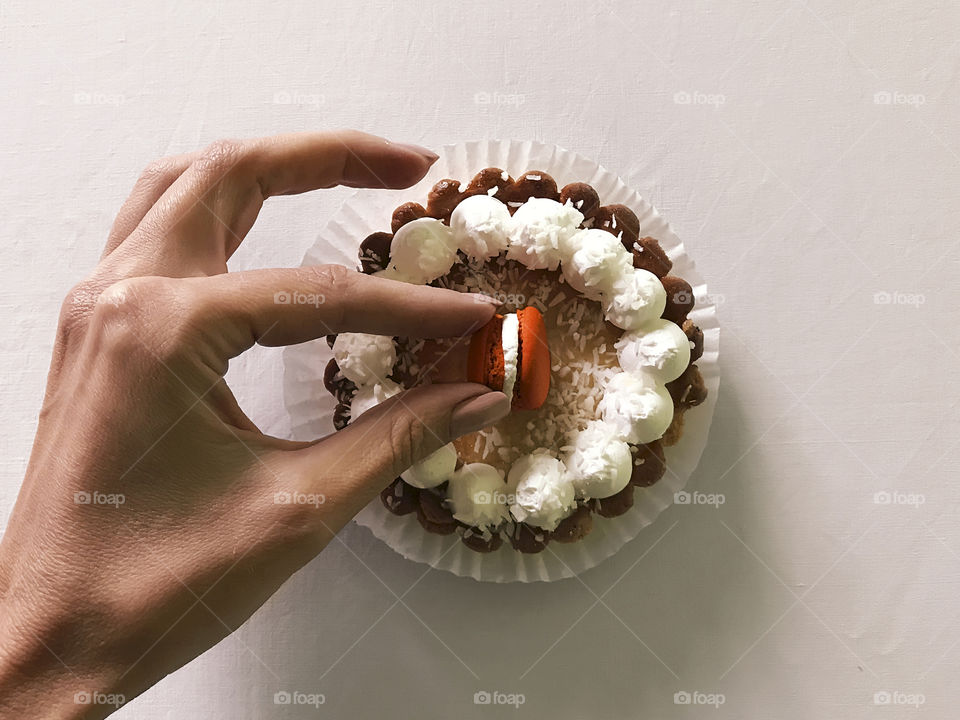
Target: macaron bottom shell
column 485, row 364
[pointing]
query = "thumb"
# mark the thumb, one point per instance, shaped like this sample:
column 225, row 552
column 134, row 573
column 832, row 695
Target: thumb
column 351, row 466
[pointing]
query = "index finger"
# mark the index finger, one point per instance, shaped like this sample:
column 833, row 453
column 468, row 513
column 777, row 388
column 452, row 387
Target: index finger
column 300, row 162
column 204, row 215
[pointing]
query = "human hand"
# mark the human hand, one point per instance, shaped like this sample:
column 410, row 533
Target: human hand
column 146, row 529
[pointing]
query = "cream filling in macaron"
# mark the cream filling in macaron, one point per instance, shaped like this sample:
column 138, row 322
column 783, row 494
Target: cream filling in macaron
column 510, row 338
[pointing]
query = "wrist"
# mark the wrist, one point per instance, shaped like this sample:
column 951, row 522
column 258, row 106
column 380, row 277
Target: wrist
column 42, row 676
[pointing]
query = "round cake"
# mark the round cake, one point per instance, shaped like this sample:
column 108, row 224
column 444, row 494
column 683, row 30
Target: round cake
column 592, row 343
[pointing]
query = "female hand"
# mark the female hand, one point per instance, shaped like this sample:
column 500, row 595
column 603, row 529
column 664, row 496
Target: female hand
column 146, row 529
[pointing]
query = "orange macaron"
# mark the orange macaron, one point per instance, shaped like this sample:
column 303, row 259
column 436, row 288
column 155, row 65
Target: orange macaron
column 487, row 364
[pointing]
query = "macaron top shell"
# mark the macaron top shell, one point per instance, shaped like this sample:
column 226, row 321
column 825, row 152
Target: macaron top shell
column 533, row 377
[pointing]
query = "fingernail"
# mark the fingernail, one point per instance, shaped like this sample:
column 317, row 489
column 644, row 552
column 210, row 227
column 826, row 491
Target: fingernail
column 420, row 150
column 485, row 299
column 478, row 412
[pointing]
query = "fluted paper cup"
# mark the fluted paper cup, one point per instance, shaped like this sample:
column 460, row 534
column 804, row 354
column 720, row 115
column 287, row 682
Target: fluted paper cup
column 311, row 407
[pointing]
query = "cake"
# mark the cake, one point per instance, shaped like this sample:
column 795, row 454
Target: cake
column 592, row 342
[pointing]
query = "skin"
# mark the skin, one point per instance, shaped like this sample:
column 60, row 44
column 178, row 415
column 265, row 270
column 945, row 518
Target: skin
column 99, row 595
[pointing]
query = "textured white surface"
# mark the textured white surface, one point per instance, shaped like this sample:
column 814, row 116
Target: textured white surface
column 800, row 197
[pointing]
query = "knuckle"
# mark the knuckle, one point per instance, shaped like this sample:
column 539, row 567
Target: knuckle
column 159, row 172
column 141, row 312
column 125, row 296
column 331, row 277
column 78, row 303
column 220, row 156
column 333, row 282
column 406, row 437
column 123, row 304
column 296, row 509
column 226, row 163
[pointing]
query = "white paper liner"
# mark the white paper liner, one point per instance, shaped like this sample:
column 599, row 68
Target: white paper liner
column 311, row 407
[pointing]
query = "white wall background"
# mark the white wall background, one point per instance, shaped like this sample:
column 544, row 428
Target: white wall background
column 799, row 196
